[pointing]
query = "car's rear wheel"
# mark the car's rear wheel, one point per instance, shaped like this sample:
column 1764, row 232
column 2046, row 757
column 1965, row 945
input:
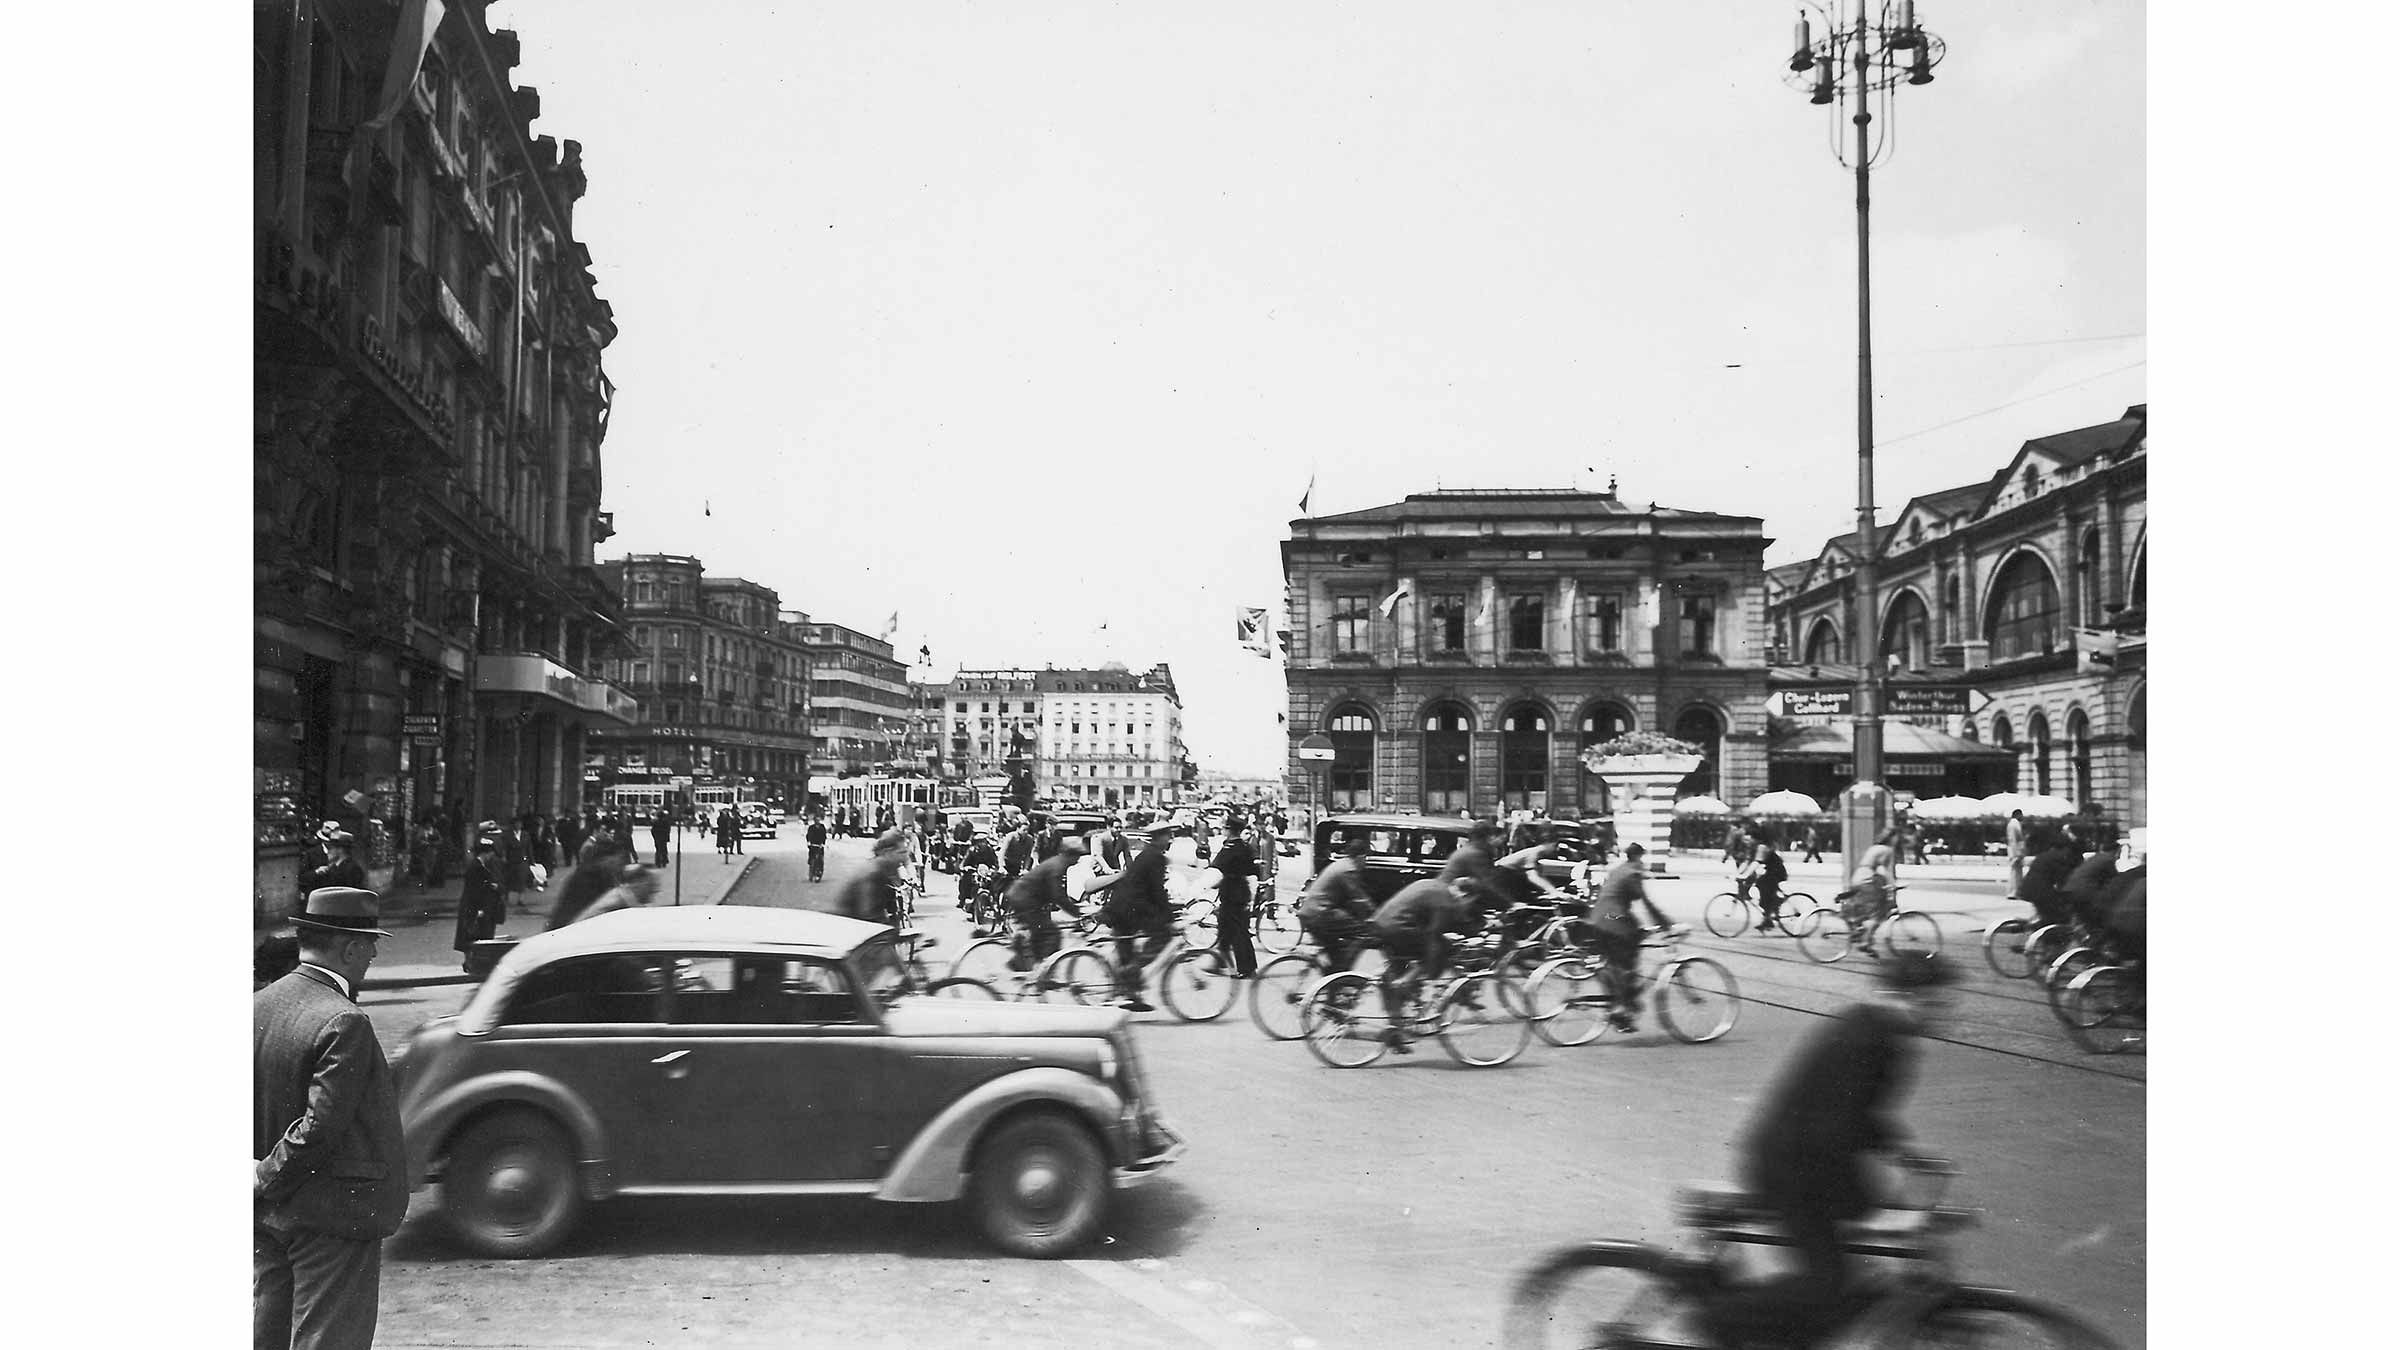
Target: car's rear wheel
column 1040, row 1186
column 510, row 1187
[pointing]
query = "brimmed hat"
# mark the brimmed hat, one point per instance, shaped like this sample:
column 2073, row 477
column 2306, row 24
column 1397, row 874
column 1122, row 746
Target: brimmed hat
column 328, row 829
column 342, row 909
column 342, row 837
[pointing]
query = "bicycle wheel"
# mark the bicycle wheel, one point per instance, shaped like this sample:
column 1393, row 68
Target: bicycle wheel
column 1570, row 1006
column 1276, row 993
column 1198, row 986
column 1698, row 1000
column 2004, row 949
column 1602, row 1294
column 2060, row 973
column 1796, row 907
column 1343, row 1021
column 2049, row 942
column 1824, row 936
column 958, row 987
column 984, row 959
column 1910, row 932
column 1996, row 1319
column 1479, row 1023
column 2104, row 1010
column 1076, row 975
column 1199, row 922
column 1278, row 927
column 1727, row 915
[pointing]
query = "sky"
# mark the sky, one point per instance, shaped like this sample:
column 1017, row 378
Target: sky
column 1032, row 322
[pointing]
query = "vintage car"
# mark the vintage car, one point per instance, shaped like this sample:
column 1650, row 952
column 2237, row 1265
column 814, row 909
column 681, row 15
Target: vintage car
column 739, row 1050
column 759, row 820
column 1403, row 848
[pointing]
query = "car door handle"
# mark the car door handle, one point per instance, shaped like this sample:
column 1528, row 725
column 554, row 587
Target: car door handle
column 675, row 1063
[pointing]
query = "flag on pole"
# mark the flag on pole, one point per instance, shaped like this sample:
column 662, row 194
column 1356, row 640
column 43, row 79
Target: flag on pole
column 1307, row 492
column 891, row 625
column 1250, row 628
column 410, row 37
column 1392, row 601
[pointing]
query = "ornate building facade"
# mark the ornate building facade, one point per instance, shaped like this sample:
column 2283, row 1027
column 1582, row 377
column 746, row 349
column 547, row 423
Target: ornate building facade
column 2025, row 592
column 721, row 672
column 1461, row 648
column 429, row 406
column 1110, row 736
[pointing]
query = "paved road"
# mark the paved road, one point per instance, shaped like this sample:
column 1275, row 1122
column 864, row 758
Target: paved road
column 1381, row 1207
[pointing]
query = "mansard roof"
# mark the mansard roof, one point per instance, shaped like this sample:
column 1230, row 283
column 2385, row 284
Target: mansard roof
column 1512, row 503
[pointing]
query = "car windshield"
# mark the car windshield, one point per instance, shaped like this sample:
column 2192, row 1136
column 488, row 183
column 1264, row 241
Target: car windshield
column 880, row 969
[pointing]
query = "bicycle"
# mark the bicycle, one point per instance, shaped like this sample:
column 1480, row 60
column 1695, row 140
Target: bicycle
column 1196, row 983
column 921, row 979
column 1274, row 925
column 1697, row 998
column 1828, row 934
column 816, row 862
column 1730, row 914
column 1347, row 1025
column 1636, row 1294
column 1282, row 985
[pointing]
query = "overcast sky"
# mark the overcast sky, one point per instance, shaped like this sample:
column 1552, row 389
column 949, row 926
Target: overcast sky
column 1026, row 319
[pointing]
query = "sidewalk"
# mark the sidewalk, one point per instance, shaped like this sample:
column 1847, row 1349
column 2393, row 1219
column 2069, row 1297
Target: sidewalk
column 422, row 923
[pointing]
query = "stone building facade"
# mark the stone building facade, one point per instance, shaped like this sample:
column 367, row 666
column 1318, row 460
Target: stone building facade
column 1110, row 736
column 1462, row 647
column 2028, row 589
column 428, row 411
column 722, row 676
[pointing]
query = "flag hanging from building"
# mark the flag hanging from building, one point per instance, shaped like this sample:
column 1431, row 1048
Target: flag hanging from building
column 1307, row 492
column 410, row 37
column 1392, row 601
column 1250, row 626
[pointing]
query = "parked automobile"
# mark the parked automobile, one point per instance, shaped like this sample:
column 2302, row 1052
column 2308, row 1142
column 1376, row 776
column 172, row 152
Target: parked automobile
column 739, row 1050
column 1403, row 848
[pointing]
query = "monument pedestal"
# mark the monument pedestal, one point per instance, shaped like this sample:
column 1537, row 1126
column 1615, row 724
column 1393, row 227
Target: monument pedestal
column 1641, row 794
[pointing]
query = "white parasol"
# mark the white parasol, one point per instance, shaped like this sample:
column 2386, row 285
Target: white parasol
column 1784, row 802
column 1702, row 806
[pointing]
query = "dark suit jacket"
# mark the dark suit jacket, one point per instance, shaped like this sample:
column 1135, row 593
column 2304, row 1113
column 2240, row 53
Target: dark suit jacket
column 326, row 1118
column 1831, row 1106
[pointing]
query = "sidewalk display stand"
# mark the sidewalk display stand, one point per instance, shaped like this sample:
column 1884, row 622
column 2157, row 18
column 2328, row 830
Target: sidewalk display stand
column 1641, row 794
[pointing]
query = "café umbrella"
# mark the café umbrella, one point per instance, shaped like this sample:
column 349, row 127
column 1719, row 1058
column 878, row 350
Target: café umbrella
column 1702, row 806
column 1786, row 803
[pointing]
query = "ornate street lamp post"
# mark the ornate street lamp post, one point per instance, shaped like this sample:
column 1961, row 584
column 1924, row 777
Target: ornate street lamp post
column 1869, row 49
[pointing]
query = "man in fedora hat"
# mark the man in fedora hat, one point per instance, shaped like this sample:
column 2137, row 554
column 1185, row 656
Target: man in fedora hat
column 329, row 1179
column 340, row 867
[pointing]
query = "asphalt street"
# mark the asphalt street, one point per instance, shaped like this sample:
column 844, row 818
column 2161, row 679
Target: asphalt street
column 1375, row 1207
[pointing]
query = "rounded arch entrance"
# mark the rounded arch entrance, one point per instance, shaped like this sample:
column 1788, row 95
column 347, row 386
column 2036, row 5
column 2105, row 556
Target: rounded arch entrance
column 1350, row 778
column 1703, row 726
column 1603, row 720
column 1525, row 757
column 1824, row 643
column 1447, row 755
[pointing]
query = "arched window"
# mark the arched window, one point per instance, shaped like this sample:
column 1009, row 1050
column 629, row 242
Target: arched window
column 1906, row 632
column 1702, row 727
column 1952, row 626
column 2037, row 736
column 2005, row 736
column 2087, row 579
column 2079, row 756
column 1601, row 722
column 1448, row 731
column 1525, row 760
column 1350, row 779
column 1824, row 644
column 2024, row 616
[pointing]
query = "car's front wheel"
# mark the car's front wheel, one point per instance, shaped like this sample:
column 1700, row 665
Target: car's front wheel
column 1040, row 1186
column 510, row 1188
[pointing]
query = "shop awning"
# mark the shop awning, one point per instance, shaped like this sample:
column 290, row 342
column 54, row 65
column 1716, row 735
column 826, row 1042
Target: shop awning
column 1901, row 740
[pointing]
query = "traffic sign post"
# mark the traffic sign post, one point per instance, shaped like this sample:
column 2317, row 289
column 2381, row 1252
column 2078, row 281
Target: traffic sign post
column 1316, row 756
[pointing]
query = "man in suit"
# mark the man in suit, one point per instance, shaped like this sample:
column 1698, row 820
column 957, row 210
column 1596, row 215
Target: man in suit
column 329, row 1179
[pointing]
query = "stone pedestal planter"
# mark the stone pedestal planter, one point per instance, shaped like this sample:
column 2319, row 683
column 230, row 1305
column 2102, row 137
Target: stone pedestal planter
column 1641, row 792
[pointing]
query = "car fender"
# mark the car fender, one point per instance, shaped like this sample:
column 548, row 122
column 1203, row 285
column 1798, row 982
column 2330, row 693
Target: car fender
column 432, row 1124
column 934, row 1165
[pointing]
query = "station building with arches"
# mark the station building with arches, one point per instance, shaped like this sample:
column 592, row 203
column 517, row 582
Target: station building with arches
column 1461, row 648
column 2026, row 592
